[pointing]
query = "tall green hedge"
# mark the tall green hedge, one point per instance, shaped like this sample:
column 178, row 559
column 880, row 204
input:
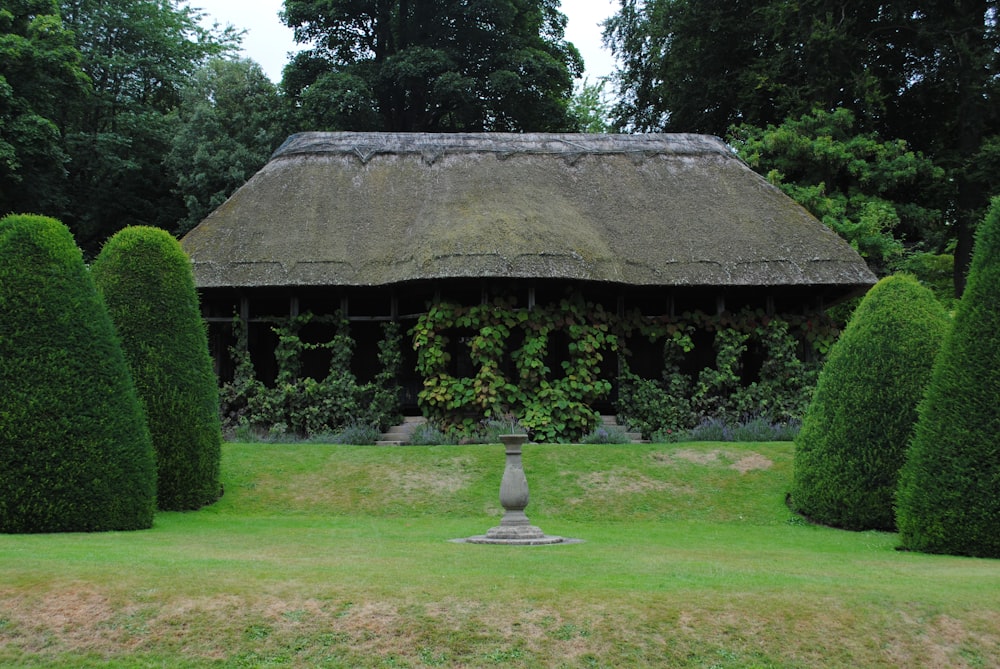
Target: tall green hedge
column 146, row 280
column 949, row 493
column 856, row 430
column 75, row 453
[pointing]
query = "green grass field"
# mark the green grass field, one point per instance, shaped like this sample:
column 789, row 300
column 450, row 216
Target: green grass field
column 339, row 556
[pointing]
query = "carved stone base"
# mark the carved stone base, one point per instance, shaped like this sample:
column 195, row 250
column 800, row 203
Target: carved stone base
column 515, row 530
column 530, row 536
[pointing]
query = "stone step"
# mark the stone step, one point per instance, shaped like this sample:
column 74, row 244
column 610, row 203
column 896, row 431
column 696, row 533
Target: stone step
column 612, row 421
column 400, row 434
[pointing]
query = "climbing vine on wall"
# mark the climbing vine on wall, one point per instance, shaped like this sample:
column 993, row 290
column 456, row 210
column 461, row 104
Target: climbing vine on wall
column 303, row 405
column 545, row 366
column 510, row 352
column 792, row 349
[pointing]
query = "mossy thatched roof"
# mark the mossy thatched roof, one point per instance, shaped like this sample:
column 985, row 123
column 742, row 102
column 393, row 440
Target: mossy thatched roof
column 375, row 208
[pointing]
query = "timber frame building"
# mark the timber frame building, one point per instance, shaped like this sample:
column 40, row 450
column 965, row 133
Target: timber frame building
column 379, row 225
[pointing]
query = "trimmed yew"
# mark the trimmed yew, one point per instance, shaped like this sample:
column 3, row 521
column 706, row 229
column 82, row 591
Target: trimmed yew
column 856, row 430
column 75, row 452
column 949, row 493
column 145, row 278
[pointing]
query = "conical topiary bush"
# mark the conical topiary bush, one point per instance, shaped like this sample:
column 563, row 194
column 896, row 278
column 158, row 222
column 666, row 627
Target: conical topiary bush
column 857, row 428
column 75, row 453
column 146, row 281
column 949, row 492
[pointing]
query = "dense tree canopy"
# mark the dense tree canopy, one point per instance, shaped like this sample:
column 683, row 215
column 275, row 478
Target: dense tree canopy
column 875, row 194
column 231, row 119
column 431, row 65
column 39, row 72
column 923, row 72
column 138, row 55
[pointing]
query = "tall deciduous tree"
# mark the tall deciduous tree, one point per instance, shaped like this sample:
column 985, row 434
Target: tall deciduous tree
column 924, row 72
column 231, row 120
column 591, row 108
column 138, row 55
column 950, row 105
column 39, row 72
column 694, row 65
column 432, row 65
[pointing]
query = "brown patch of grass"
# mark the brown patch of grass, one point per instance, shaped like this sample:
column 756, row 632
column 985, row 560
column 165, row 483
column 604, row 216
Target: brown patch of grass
column 691, row 455
column 751, row 462
column 621, row 481
column 427, row 480
column 741, row 461
column 69, row 609
column 944, row 641
column 724, row 629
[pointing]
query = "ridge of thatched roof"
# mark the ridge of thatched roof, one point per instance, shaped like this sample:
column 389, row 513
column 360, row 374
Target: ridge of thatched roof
column 381, row 208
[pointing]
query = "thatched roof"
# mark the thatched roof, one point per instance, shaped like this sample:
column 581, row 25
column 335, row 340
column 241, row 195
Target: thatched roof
column 363, row 209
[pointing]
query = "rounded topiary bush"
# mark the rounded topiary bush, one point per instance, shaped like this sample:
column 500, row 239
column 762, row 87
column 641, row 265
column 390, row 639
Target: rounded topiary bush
column 75, row 453
column 949, row 491
column 146, row 281
column 856, row 430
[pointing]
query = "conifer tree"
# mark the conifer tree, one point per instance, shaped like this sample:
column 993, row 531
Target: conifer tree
column 75, row 452
column 949, row 491
column 856, row 430
column 146, row 281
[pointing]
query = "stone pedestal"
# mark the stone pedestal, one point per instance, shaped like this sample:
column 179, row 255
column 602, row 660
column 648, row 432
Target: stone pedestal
column 514, row 527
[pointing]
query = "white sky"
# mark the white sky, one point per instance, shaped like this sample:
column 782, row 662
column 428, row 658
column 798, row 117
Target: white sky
column 268, row 41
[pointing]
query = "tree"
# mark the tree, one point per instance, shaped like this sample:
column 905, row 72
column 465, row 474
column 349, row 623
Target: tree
column 922, row 72
column 856, row 430
column 75, row 452
column 231, row 118
column 146, row 281
column 874, row 193
column 947, row 500
column 39, row 72
column 138, row 55
column 431, row 65
column 693, row 65
column 704, row 65
column 949, row 108
column 591, row 108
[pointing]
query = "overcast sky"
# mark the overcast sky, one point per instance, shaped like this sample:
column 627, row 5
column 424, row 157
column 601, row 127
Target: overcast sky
column 268, row 41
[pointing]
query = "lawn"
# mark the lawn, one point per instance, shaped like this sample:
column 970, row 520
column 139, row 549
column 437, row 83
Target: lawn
column 339, row 556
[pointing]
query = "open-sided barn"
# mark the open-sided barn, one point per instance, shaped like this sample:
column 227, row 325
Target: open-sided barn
column 379, row 226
